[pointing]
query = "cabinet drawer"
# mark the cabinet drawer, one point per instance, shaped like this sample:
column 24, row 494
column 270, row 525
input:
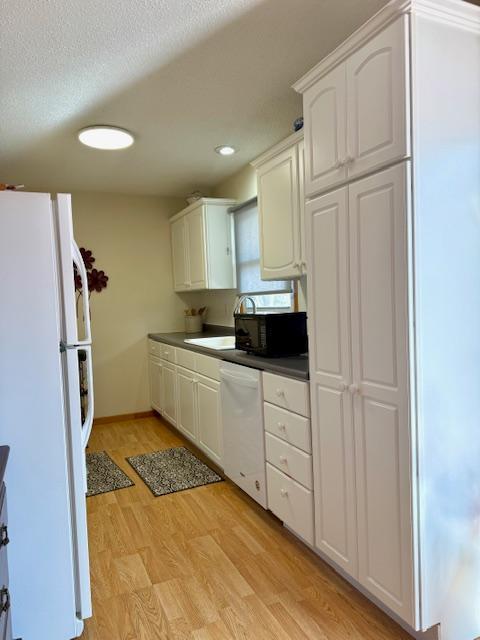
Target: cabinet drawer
column 155, row 348
column 290, row 460
column 186, row 359
column 289, row 394
column 288, row 426
column 206, row 366
column 290, row 502
column 167, row 352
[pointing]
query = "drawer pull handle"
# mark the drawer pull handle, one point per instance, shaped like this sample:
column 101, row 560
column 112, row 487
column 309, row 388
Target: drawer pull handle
column 4, row 539
column 283, row 459
column 281, row 426
column 280, row 392
column 4, row 600
column 283, row 493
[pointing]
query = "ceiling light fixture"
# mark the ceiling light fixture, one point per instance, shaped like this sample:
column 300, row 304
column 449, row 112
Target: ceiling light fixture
column 225, row 150
column 105, row 137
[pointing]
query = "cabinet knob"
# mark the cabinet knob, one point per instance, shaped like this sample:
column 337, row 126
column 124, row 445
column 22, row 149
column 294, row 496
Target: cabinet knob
column 280, row 392
column 283, row 493
column 348, row 160
column 343, row 386
column 281, row 426
column 283, row 459
column 354, row 389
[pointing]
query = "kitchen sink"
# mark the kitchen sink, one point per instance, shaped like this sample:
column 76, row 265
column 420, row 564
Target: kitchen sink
column 218, row 344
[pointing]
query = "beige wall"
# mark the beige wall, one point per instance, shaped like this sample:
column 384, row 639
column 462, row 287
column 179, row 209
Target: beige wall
column 130, row 239
column 241, row 186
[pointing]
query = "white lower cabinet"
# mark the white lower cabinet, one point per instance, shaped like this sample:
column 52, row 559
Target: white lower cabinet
column 209, row 418
column 169, row 392
column 291, row 502
column 186, row 414
column 288, row 453
column 186, row 391
column 290, row 460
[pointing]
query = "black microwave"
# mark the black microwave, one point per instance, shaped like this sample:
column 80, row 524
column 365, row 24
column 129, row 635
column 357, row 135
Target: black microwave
column 271, row 335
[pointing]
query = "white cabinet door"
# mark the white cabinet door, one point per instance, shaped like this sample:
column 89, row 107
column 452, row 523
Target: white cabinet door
column 210, row 432
column 155, row 377
column 186, row 420
column 324, row 108
column 301, row 205
column 169, row 392
column 196, row 249
column 330, row 373
column 378, row 245
column 279, row 218
column 378, row 100
column 179, row 255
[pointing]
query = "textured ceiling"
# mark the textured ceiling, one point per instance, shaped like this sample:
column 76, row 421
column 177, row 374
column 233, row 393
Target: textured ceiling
column 183, row 75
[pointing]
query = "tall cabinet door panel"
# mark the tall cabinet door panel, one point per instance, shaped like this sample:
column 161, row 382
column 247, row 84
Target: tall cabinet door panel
column 279, row 218
column 186, row 402
column 379, row 211
column 209, row 418
column 179, row 256
column 378, row 96
column 324, row 108
column 196, row 249
column 330, row 373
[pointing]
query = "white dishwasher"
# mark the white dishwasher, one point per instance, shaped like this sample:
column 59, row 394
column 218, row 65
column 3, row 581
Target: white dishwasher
column 243, row 437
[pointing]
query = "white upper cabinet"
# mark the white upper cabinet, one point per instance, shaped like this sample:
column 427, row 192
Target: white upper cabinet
column 196, row 248
column 378, row 96
column 324, row 108
column 179, row 255
column 280, row 208
column 356, row 114
column 202, row 246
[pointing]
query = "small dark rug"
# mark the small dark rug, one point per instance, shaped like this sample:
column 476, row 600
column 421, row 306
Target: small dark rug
column 172, row 470
column 104, row 475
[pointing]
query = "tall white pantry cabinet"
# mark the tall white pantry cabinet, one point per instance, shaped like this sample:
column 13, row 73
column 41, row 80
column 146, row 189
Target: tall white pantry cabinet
column 392, row 187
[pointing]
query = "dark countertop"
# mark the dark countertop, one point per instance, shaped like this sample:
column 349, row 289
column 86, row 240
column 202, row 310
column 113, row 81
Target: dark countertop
column 292, row 366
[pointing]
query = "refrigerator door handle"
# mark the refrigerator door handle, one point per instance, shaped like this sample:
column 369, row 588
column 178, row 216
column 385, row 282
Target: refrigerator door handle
column 87, row 425
column 77, row 256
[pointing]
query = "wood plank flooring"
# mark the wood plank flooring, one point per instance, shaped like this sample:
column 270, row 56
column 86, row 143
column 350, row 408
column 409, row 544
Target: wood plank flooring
column 207, row 564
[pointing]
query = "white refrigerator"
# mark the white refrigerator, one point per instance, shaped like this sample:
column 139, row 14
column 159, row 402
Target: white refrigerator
column 41, row 419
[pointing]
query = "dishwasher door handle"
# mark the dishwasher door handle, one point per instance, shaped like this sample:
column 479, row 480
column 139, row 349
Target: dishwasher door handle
column 228, row 377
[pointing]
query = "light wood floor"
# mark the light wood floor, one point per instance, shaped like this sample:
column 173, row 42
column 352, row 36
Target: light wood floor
column 208, row 564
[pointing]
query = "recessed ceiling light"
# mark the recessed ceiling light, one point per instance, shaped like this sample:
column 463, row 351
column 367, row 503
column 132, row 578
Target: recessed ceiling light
column 225, row 150
column 105, row 137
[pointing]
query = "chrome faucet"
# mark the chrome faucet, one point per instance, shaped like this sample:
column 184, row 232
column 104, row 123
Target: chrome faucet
column 241, row 300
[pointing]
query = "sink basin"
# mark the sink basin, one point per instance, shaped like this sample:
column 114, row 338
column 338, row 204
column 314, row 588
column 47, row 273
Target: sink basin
column 218, row 344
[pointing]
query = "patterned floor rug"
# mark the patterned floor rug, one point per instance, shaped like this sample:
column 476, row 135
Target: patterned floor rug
column 104, row 475
column 172, row 470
